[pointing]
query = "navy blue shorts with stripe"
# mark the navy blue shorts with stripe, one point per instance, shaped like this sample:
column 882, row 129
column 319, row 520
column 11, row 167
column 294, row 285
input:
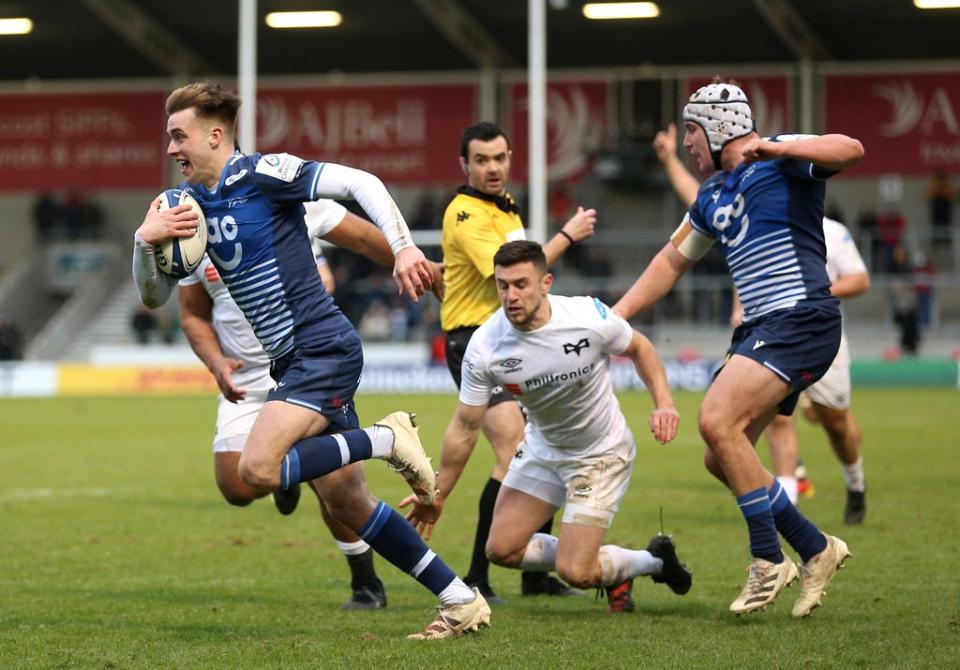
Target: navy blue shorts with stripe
column 323, row 377
column 798, row 345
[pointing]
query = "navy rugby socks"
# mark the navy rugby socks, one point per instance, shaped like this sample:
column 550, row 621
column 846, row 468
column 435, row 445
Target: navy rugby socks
column 395, row 539
column 755, row 506
column 796, row 529
column 314, row 457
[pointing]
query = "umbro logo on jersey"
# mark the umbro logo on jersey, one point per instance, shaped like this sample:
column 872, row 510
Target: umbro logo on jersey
column 511, row 363
column 462, row 216
column 234, row 178
column 758, row 344
column 575, row 348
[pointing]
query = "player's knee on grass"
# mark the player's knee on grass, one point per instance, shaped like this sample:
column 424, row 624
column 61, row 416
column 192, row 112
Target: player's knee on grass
column 500, row 553
column 577, row 574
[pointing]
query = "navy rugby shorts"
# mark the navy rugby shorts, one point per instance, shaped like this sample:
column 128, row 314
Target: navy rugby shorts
column 798, row 345
column 323, row 377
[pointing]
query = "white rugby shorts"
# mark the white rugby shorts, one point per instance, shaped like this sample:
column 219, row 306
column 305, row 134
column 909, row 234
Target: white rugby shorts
column 235, row 420
column 589, row 488
column 833, row 389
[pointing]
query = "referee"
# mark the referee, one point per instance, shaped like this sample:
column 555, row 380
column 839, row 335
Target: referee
column 481, row 218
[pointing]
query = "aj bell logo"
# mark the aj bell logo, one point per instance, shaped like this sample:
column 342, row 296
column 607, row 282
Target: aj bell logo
column 575, row 348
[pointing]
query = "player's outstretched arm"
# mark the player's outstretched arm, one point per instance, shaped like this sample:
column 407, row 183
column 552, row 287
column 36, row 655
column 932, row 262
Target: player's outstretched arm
column 158, row 226
column 360, row 236
column 664, row 419
column 833, row 152
column 411, row 273
column 458, row 443
column 684, row 184
column 656, row 281
column 196, row 319
column 580, row 226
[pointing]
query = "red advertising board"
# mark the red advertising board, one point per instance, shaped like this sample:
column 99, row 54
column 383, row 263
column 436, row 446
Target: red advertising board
column 578, row 121
column 56, row 141
column 769, row 97
column 909, row 123
column 403, row 134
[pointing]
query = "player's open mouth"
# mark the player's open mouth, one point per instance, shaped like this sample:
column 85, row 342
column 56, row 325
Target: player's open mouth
column 184, row 165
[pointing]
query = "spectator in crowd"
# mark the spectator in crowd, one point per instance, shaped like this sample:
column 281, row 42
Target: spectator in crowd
column 11, row 341
column 399, row 320
column 144, row 323
column 426, row 216
column 903, row 300
column 91, row 221
column 375, row 324
column 890, row 226
column 941, row 195
column 867, row 239
column 73, row 215
column 46, row 216
column 924, row 274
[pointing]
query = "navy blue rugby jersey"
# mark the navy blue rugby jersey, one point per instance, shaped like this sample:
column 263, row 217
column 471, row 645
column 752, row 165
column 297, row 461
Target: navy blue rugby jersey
column 257, row 239
column 768, row 216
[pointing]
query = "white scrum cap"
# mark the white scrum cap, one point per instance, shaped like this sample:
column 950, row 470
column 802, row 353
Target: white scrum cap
column 723, row 112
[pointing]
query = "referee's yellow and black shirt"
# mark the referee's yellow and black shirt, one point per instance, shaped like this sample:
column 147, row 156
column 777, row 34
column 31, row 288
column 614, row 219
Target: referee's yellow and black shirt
column 475, row 226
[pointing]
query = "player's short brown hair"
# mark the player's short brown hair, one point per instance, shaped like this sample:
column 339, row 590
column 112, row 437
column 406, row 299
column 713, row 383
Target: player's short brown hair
column 211, row 101
column 521, row 251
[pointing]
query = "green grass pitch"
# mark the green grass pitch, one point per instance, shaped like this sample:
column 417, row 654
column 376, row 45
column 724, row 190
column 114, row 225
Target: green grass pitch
column 118, row 552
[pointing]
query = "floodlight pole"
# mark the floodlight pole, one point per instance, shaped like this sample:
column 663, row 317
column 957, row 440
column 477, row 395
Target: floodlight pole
column 247, row 75
column 537, row 120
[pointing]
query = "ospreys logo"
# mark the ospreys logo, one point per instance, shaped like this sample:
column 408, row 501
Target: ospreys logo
column 575, row 348
column 462, row 216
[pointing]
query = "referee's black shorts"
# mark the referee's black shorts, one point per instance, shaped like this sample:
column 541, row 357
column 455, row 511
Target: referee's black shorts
column 456, row 346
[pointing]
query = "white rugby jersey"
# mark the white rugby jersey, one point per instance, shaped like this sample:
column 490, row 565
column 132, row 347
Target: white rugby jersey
column 843, row 257
column 237, row 338
column 559, row 372
column 843, row 260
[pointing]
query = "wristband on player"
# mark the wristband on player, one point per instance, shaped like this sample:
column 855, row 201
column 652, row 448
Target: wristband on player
column 567, row 235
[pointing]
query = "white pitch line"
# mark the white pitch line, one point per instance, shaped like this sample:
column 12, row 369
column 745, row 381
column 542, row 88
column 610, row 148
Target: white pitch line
column 15, row 495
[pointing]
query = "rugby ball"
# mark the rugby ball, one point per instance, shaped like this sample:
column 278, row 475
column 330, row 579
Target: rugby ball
column 179, row 256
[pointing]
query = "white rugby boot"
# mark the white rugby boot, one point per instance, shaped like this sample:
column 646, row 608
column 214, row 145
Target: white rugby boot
column 765, row 581
column 408, row 457
column 817, row 573
column 455, row 620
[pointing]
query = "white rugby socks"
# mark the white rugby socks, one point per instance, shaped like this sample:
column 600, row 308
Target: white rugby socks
column 381, row 440
column 853, row 476
column 618, row 564
column 789, row 485
column 540, row 554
